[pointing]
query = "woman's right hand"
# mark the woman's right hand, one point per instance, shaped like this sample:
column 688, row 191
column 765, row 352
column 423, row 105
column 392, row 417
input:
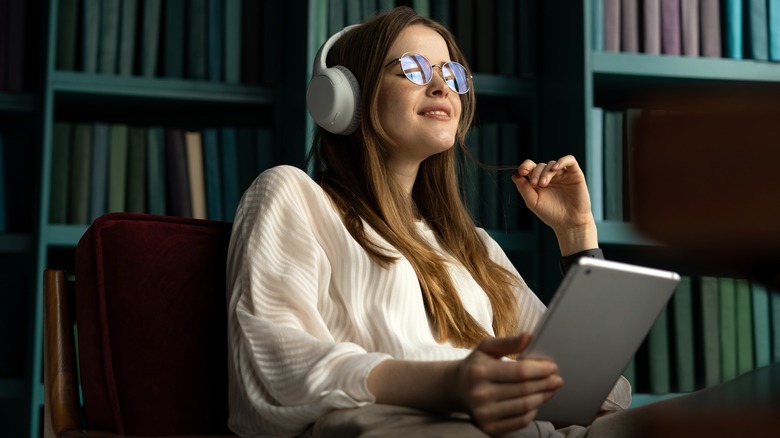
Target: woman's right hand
column 500, row 395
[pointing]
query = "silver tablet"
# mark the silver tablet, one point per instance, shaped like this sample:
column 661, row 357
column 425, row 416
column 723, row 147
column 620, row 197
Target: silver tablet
column 594, row 324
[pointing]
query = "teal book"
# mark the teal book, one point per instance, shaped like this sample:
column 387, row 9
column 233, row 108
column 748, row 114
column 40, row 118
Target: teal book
column 150, row 37
column 744, row 326
column 597, row 25
column 774, row 305
column 78, row 205
column 98, row 187
column 215, row 40
column 90, row 35
column 136, row 169
column 108, row 52
column 197, row 24
column 422, row 7
column 659, row 362
column 613, row 165
column 156, row 186
column 173, row 39
column 3, row 197
column 336, row 16
column 773, row 25
column 594, row 163
column 232, row 41
column 683, row 336
column 117, row 168
column 485, row 57
column 709, row 332
column 732, row 28
column 177, row 180
column 727, row 316
column 61, row 147
column 67, row 16
column 213, row 174
column 506, row 42
column 128, row 17
column 229, row 163
column 757, row 35
column 762, row 325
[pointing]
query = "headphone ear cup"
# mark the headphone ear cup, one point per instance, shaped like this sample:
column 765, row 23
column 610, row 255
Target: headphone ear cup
column 333, row 100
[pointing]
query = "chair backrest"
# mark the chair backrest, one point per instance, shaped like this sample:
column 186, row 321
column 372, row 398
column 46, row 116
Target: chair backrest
column 152, row 339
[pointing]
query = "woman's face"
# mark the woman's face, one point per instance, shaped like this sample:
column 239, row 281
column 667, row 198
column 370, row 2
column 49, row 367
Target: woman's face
column 422, row 120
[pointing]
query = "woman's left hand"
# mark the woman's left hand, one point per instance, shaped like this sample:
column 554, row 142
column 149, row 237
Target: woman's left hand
column 557, row 193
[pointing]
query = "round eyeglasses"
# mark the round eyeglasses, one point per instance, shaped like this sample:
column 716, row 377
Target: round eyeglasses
column 419, row 70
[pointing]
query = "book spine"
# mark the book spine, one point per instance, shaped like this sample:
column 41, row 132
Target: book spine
column 728, row 328
column 689, row 27
column 684, row 344
column 629, row 26
column 597, row 25
column 212, row 171
column 117, row 168
column 611, row 25
column 67, row 16
column 670, row 27
column 710, row 29
column 732, row 22
column 773, row 25
column 215, row 38
column 232, row 41
column 757, row 32
column 762, row 324
column 109, row 36
column 78, row 209
column 150, row 40
column 90, row 35
column 658, row 355
column 173, row 16
column 127, row 37
column 651, row 27
column 136, row 169
column 710, row 336
column 60, row 172
column 744, row 311
column 156, row 170
column 195, row 174
column 594, row 163
column 179, row 198
column 229, row 162
column 196, row 39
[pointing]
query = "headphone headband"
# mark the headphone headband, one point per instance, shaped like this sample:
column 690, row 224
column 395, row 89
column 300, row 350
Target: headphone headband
column 333, row 97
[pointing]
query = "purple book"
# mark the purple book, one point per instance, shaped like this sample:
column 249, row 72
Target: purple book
column 670, row 27
column 629, row 26
column 651, row 26
column 611, row 25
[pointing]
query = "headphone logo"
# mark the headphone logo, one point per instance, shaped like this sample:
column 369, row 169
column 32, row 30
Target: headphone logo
column 333, row 96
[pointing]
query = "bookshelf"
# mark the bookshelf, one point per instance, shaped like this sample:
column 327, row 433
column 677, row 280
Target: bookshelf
column 545, row 95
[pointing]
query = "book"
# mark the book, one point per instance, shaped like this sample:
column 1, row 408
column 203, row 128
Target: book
column 689, row 27
column 744, row 311
column 229, row 162
column 651, row 27
column 128, row 17
column 422, row 7
column 215, row 40
column 597, row 25
column 773, row 25
column 195, row 174
column 485, row 55
column 762, row 325
column 117, row 168
column 757, row 35
column 156, row 187
column 683, row 336
column 232, row 41
column 197, row 24
column 98, row 186
column 177, row 180
column 78, row 205
column 90, row 35
column 774, row 304
column 670, row 27
column 629, row 26
column 611, row 25
column 150, row 37
column 708, row 361
column 136, row 169
column 354, row 11
column 506, row 43
column 336, row 16
column 108, row 51
column 594, row 163
column 732, row 28
column 61, row 145
column 67, row 16
column 727, row 316
column 613, row 165
column 173, row 39
column 212, row 173
column 658, row 355
column 710, row 28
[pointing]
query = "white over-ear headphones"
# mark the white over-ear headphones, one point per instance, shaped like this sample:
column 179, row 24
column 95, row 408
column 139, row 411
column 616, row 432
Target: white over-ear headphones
column 333, row 97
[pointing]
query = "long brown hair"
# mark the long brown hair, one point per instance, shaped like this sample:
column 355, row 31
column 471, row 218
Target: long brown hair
column 352, row 171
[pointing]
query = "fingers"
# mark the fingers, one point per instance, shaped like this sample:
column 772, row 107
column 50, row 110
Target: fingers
column 504, row 346
column 509, row 414
column 541, row 174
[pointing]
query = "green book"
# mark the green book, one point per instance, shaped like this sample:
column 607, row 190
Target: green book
column 150, row 37
column 232, row 41
column 422, row 7
column 229, row 162
column 67, row 15
column 613, row 165
column 658, row 355
column 757, row 33
column 215, row 40
column 683, row 336
column 98, row 188
column 744, row 326
column 156, row 188
column 727, row 316
column 773, row 24
column 762, row 325
column 197, row 24
column 212, row 172
column 774, row 305
column 78, row 205
column 709, row 332
column 117, row 168
column 173, row 39
column 90, row 35
column 128, row 17
column 108, row 52
column 594, row 163
column 335, row 16
column 136, row 169
column 354, row 11
column 60, row 172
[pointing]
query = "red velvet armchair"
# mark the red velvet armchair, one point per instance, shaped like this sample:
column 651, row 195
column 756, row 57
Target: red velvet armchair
column 149, row 307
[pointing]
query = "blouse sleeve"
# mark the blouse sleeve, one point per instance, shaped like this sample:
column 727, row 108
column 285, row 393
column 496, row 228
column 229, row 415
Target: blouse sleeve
column 286, row 369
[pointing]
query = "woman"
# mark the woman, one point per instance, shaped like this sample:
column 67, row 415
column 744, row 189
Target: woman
column 368, row 293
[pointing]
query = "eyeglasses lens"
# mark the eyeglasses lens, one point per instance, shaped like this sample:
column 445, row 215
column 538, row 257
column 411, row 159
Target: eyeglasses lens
column 418, row 69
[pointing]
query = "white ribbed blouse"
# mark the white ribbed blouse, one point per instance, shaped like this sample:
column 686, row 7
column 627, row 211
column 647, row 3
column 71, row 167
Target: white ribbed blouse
column 310, row 314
